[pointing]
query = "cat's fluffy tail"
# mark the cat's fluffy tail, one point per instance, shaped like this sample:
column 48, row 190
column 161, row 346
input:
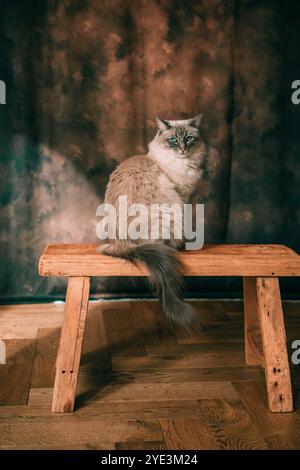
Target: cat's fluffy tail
column 166, row 281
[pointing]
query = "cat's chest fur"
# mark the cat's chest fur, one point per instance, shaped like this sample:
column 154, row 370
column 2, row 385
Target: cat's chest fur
column 183, row 173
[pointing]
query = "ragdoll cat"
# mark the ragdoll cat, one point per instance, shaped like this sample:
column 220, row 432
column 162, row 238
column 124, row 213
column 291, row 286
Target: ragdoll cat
column 167, row 174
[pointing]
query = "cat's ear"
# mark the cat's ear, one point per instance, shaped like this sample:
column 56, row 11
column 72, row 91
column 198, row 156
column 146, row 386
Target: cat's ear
column 161, row 124
column 196, row 121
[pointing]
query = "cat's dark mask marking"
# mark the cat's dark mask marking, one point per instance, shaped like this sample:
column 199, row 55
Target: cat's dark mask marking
column 179, row 136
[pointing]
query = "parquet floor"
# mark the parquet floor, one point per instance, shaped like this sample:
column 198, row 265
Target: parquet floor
column 140, row 386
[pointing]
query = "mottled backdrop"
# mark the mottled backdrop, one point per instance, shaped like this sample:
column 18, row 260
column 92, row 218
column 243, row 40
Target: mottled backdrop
column 85, row 79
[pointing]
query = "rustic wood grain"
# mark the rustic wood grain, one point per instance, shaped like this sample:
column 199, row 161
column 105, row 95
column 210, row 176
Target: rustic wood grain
column 165, row 347
column 95, row 378
column 231, row 425
column 211, row 260
column 96, row 433
column 209, row 312
column 84, row 261
column 43, row 370
column 68, row 359
column 92, row 445
column 274, row 345
column 276, row 428
column 225, row 332
column 163, row 391
column 190, row 433
column 16, row 373
column 95, row 352
column 125, row 342
column 251, row 320
column 144, row 445
column 34, row 316
column 213, row 360
column 165, row 399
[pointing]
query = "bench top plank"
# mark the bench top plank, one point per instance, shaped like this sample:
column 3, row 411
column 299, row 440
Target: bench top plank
column 211, row 260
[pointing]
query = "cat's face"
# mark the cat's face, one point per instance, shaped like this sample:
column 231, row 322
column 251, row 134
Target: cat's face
column 182, row 138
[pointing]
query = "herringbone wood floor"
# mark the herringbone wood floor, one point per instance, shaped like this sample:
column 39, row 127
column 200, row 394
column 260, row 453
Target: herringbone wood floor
column 140, row 386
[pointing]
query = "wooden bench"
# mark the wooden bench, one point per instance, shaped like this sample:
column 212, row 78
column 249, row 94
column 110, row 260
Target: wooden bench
column 259, row 265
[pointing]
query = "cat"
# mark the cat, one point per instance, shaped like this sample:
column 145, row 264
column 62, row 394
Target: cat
column 167, row 174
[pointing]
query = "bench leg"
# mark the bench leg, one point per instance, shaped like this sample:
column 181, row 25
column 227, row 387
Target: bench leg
column 251, row 320
column 277, row 368
column 68, row 359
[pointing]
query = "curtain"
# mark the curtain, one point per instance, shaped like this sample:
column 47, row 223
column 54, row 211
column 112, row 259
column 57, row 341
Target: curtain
column 85, row 79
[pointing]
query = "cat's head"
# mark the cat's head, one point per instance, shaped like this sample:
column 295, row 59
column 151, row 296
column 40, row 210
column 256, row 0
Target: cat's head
column 182, row 138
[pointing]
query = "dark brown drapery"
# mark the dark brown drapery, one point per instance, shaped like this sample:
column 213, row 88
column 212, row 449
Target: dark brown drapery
column 85, row 79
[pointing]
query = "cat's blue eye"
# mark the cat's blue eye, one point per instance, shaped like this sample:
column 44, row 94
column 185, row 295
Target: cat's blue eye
column 190, row 138
column 172, row 140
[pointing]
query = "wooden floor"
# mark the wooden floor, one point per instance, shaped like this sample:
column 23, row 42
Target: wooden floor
column 140, row 387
